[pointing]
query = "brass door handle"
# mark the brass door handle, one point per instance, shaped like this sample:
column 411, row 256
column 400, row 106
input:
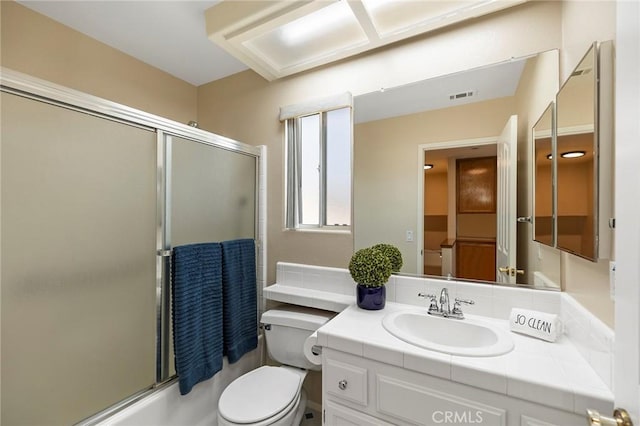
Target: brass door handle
column 511, row 271
column 620, row 418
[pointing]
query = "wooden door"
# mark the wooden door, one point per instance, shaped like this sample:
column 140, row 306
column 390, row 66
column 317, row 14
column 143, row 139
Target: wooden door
column 476, row 260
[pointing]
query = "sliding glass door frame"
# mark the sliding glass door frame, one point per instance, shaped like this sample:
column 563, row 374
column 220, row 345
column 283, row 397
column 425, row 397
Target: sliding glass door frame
column 39, row 90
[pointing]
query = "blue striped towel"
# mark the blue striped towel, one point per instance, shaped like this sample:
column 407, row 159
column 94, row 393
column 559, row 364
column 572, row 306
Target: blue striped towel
column 197, row 312
column 240, row 298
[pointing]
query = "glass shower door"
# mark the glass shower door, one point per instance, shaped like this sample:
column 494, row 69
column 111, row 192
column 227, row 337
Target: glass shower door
column 213, row 193
column 212, row 199
column 78, row 253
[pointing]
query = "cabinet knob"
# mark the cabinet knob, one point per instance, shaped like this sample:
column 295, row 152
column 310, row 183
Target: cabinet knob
column 342, row 384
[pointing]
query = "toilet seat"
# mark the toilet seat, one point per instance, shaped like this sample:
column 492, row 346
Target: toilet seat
column 266, row 393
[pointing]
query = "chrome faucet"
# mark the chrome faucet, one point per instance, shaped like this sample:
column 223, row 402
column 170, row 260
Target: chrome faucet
column 444, row 310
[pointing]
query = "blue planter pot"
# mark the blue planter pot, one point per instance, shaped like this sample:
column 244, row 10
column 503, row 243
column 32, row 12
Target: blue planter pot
column 371, row 298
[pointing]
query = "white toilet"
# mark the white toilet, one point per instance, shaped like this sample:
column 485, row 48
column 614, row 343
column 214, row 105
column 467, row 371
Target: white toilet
column 274, row 395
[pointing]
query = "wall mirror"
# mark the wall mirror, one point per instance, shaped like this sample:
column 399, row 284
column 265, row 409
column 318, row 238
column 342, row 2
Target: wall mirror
column 396, row 134
column 544, row 179
column 583, row 157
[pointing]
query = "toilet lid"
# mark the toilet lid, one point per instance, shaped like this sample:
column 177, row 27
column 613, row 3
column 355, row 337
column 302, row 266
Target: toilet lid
column 259, row 394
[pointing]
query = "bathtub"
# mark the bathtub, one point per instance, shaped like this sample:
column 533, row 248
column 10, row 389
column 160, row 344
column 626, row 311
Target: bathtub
column 167, row 407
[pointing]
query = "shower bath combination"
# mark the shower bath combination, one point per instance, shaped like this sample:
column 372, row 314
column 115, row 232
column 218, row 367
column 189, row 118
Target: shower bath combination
column 118, row 191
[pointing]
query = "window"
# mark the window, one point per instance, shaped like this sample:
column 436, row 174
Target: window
column 319, row 170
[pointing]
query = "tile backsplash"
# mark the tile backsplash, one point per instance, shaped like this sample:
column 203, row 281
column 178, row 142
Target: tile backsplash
column 592, row 338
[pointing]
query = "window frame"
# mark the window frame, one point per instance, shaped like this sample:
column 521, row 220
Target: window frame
column 293, row 168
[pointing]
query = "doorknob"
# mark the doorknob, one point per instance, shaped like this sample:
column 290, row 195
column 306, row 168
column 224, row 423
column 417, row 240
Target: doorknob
column 620, row 418
column 511, row 271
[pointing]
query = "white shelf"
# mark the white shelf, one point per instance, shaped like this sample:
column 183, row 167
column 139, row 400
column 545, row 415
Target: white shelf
column 328, row 301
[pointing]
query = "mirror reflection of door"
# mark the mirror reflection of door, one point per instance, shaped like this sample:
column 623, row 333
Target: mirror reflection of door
column 460, row 212
column 506, row 232
column 481, row 208
column 476, row 194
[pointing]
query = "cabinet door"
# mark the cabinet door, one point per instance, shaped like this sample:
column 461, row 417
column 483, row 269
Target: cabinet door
column 530, row 421
column 413, row 403
column 345, row 381
column 337, row 415
column 476, row 179
column 476, row 260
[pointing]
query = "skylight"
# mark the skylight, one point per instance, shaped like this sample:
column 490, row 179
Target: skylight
column 283, row 37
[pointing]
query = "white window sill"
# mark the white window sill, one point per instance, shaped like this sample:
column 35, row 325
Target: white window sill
column 319, row 231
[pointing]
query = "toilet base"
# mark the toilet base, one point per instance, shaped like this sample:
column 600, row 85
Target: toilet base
column 302, row 407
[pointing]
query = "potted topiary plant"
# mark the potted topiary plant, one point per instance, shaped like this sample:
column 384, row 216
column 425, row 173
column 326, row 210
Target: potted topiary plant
column 393, row 253
column 370, row 268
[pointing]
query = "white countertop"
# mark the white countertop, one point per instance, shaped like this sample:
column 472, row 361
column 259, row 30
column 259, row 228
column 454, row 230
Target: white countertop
column 552, row 374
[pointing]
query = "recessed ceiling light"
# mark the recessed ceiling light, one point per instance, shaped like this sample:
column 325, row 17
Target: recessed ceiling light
column 428, row 166
column 572, row 154
column 549, row 156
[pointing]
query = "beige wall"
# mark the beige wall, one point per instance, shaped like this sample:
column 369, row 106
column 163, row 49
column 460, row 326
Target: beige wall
column 245, row 106
column 437, row 186
column 477, row 225
column 584, row 22
column 435, row 208
column 36, row 45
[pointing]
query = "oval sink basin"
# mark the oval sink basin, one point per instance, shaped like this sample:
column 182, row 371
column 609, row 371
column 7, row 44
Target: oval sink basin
column 467, row 337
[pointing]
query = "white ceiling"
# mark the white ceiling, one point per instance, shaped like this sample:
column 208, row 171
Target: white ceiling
column 487, row 83
column 284, row 37
column 169, row 35
column 439, row 158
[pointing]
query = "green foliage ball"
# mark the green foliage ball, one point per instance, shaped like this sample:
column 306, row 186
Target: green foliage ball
column 370, row 267
column 393, row 253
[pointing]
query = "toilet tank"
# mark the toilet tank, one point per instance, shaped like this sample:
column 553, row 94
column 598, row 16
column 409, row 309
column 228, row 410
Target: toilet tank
column 287, row 327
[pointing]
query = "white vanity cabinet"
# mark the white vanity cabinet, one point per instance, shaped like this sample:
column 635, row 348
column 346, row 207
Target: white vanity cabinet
column 339, row 415
column 361, row 391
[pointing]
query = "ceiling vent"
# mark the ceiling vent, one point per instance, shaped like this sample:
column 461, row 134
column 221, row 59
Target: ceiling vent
column 462, row 95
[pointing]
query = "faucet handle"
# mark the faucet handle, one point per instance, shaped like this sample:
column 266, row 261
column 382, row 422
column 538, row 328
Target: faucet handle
column 430, row 296
column 433, row 301
column 456, row 312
